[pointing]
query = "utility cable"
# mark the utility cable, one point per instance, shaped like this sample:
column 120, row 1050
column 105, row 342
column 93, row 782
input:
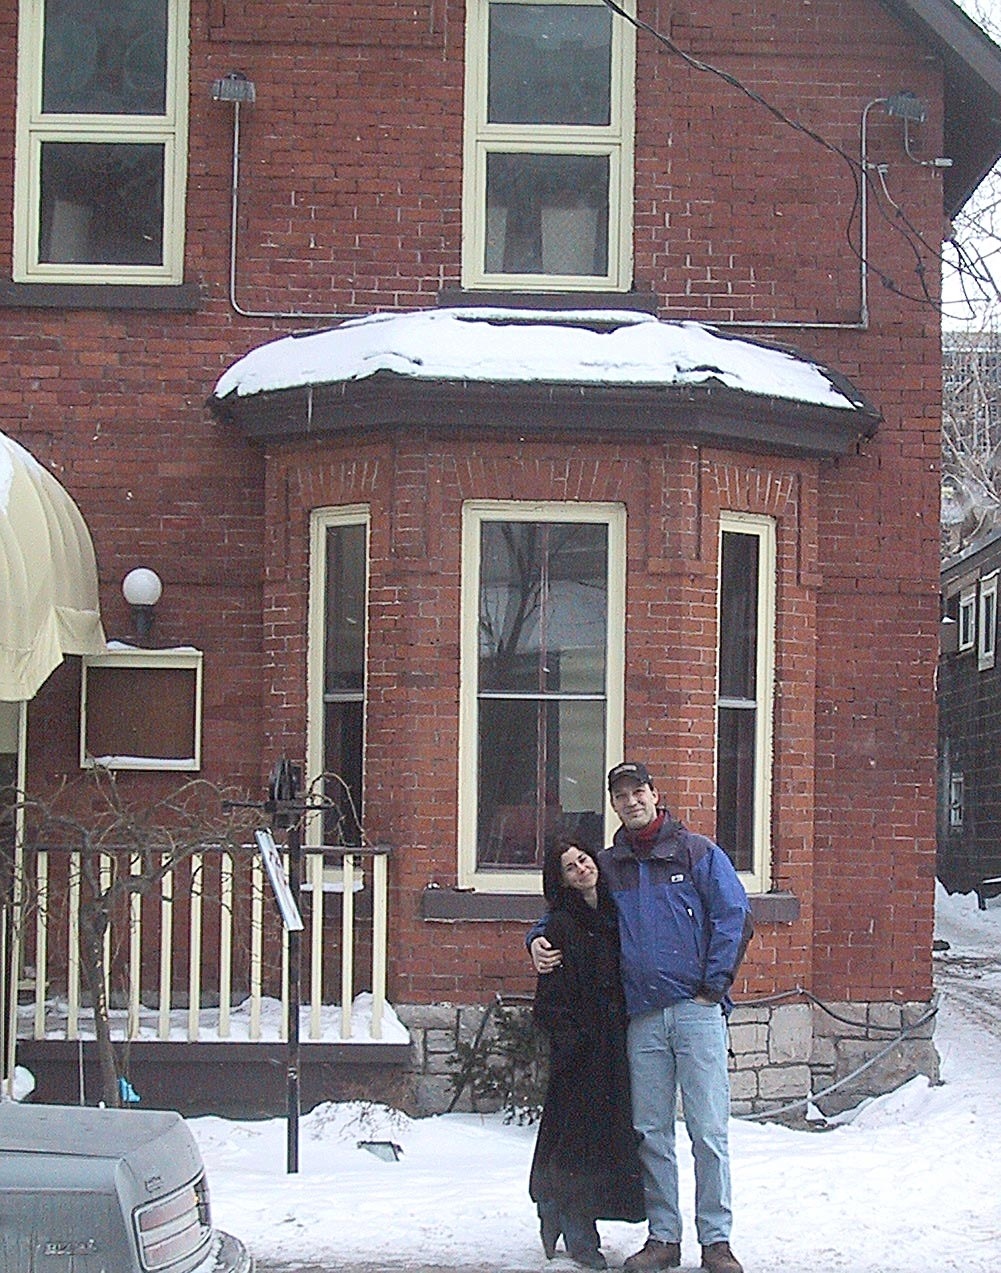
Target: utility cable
column 857, row 168
column 806, row 1101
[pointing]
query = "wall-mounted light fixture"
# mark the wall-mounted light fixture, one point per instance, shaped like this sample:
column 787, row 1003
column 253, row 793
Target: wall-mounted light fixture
column 911, row 109
column 142, row 589
column 234, row 87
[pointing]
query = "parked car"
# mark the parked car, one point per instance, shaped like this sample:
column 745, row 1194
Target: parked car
column 106, row 1191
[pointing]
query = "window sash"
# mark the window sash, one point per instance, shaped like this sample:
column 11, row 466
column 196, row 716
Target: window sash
column 36, row 129
column 957, row 800
column 967, row 619
column 337, row 673
column 499, row 838
column 745, row 694
column 987, row 626
column 566, row 227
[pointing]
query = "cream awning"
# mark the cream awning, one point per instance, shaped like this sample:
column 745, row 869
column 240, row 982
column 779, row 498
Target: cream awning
column 48, row 576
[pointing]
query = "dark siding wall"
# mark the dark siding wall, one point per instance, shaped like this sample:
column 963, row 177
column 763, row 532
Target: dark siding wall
column 970, row 743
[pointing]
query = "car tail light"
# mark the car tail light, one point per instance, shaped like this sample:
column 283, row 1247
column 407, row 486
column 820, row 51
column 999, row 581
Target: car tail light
column 174, row 1226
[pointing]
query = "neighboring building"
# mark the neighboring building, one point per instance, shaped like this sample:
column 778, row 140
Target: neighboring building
column 971, row 422
column 969, row 722
column 466, row 571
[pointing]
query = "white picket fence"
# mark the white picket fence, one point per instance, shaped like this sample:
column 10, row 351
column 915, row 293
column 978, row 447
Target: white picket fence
column 205, row 957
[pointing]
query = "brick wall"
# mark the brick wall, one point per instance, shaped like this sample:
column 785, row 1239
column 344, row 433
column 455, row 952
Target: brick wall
column 350, row 201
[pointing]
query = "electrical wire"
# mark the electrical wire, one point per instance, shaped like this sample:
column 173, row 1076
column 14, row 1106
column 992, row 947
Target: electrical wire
column 810, row 1099
column 858, row 168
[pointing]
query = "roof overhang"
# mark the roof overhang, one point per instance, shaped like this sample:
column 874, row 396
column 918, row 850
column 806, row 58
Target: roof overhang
column 706, row 414
column 972, row 66
column 442, row 372
column 48, row 576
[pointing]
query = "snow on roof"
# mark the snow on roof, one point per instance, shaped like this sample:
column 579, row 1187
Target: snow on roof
column 594, row 347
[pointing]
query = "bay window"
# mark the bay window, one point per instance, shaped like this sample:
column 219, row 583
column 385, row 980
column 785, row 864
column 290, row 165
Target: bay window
column 745, row 695
column 541, row 706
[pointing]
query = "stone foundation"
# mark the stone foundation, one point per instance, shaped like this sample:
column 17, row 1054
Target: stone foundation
column 781, row 1053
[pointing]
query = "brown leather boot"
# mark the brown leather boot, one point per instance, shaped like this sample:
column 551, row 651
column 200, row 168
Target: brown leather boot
column 652, row 1256
column 718, row 1258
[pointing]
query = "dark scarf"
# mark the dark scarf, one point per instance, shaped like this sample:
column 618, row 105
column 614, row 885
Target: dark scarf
column 641, row 842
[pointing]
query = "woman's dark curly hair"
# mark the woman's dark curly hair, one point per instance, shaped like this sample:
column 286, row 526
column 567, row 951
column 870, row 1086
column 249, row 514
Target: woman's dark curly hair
column 553, row 886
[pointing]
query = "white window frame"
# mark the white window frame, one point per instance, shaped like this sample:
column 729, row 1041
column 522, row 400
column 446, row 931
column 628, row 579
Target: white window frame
column 759, row 878
column 34, row 128
column 474, row 514
column 321, row 519
column 616, row 140
column 957, row 801
column 967, row 619
column 987, row 625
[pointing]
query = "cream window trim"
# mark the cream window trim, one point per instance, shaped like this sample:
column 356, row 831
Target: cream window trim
column 957, row 801
column 759, row 878
column 987, row 625
column 474, row 513
column 179, row 658
column 967, row 619
column 34, row 128
column 616, row 140
column 321, row 519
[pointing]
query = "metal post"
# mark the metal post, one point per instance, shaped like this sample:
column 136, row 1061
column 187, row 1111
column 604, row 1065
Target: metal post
column 294, row 841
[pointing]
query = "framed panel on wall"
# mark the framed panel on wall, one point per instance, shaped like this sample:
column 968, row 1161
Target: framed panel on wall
column 142, row 709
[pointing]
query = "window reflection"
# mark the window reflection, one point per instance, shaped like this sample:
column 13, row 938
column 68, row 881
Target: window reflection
column 102, row 203
column 543, row 639
column 106, row 58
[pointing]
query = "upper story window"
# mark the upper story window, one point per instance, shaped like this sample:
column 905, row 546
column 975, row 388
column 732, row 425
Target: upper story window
column 541, row 683
column 746, row 676
column 987, row 627
column 967, row 618
column 337, row 668
column 548, row 176
column 957, row 800
column 101, row 141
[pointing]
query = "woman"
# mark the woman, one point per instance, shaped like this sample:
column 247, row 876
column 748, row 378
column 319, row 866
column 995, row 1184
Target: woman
column 585, row 1166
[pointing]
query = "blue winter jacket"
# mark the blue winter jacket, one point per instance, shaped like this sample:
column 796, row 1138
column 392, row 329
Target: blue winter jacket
column 684, row 918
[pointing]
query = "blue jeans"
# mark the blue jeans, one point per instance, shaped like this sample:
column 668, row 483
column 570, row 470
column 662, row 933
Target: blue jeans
column 683, row 1046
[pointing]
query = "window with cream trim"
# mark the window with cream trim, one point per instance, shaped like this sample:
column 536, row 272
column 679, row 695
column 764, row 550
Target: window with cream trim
column 338, row 599
column 541, row 711
column 987, row 626
column 745, row 695
column 101, row 156
column 548, row 165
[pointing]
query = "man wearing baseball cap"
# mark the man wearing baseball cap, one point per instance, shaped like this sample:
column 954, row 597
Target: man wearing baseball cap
column 684, row 924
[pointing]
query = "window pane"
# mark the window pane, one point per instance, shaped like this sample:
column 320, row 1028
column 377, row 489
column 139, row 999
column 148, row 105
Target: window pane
column 547, row 214
column 344, row 666
column 342, row 755
column 102, row 204
column 344, row 680
column 541, row 766
column 543, row 607
column 549, row 64
column 735, row 785
column 738, row 652
column 105, row 57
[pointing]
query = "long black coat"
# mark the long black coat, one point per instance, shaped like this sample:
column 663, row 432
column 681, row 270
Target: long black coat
column 585, row 1155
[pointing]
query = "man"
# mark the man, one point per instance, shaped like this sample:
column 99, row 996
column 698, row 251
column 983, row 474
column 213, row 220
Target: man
column 684, row 924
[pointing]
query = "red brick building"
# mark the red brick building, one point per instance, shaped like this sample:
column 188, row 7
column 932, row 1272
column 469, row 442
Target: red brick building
column 465, row 587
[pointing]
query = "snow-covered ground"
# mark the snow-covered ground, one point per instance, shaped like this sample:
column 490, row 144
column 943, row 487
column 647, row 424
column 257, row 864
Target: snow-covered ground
column 910, row 1184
